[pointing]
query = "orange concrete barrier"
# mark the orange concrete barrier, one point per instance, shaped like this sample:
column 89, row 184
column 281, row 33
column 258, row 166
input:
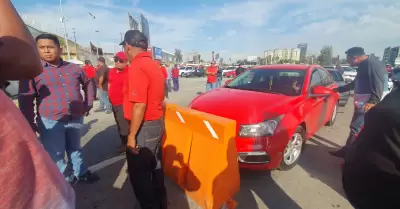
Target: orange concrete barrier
column 200, row 156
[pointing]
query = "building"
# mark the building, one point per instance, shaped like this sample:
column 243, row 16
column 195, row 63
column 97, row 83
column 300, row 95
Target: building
column 390, row 54
column 288, row 55
column 303, row 52
column 168, row 57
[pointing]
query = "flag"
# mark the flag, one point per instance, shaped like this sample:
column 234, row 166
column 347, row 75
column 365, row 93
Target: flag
column 216, row 56
column 133, row 24
column 94, row 49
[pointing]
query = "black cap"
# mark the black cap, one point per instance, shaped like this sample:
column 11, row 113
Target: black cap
column 101, row 59
column 87, row 62
column 355, row 51
column 135, row 38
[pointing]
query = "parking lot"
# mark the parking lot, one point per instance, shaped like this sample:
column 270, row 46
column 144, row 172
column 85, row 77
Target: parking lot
column 314, row 184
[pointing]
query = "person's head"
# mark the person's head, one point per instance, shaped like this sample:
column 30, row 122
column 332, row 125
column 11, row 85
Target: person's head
column 396, row 74
column 355, row 55
column 176, row 66
column 134, row 43
column 120, row 60
column 87, row 62
column 101, row 61
column 49, row 47
column 213, row 63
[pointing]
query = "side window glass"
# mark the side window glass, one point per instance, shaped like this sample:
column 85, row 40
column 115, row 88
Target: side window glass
column 325, row 78
column 315, row 79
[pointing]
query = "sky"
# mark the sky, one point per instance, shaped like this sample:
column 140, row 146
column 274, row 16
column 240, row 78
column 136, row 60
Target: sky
column 234, row 28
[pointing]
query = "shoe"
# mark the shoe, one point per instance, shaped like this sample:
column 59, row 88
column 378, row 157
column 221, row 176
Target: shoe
column 341, row 153
column 89, row 177
column 108, row 111
column 99, row 110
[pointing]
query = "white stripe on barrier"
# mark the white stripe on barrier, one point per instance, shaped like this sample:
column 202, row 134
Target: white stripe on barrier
column 210, row 128
column 180, row 116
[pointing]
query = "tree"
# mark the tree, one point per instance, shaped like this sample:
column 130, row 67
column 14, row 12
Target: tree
column 178, row 55
column 325, row 57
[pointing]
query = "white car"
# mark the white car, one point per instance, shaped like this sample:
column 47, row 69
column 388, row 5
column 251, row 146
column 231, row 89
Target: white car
column 349, row 73
column 228, row 69
column 185, row 69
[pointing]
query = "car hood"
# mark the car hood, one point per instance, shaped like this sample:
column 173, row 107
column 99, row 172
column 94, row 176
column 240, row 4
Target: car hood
column 246, row 107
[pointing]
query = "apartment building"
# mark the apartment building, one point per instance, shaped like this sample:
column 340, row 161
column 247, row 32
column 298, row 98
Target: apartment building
column 274, row 56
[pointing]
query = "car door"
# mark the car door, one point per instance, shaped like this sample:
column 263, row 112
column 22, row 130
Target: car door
column 313, row 106
column 328, row 102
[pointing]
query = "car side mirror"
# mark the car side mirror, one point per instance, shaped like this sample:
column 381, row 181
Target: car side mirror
column 227, row 82
column 321, row 91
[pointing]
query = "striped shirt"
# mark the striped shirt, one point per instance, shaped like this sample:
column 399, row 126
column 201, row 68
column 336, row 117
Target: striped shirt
column 57, row 93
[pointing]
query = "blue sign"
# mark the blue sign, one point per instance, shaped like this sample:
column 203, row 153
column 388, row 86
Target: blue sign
column 157, row 53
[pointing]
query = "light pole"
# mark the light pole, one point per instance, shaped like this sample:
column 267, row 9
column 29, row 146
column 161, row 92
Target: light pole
column 63, row 19
column 76, row 44
column 98, row 44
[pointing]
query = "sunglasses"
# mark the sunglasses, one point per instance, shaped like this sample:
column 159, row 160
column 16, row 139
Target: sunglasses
column 119, row 60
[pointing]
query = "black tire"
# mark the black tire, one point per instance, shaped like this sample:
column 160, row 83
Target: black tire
column 332, row 120
column 300, row 134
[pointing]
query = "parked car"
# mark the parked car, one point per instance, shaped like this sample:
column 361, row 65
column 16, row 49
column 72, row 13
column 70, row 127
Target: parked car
column 276, row 108
column 196, row 73
column 185, row 69
column 349, row 73
column 230, row 74
column 340, row 81
column 227, row 72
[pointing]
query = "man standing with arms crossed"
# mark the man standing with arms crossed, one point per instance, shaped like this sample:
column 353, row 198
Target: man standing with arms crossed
column 369, row 87
column 211, row 73
column 143, row 107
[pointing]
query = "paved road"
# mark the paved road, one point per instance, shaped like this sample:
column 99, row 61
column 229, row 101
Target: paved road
column 314, row 184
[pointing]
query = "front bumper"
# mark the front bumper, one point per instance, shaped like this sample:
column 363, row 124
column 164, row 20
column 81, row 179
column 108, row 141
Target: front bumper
column 253, row 157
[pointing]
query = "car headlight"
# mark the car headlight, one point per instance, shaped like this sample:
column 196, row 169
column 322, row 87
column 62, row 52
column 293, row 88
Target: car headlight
column 265, row 128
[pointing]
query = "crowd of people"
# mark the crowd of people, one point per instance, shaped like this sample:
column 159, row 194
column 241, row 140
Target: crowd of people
column 35, row 138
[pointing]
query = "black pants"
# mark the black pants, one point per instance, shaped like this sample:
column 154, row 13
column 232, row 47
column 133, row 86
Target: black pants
column 145, row 169
column 122, row 123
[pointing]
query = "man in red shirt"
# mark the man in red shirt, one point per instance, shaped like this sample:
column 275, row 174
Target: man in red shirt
column 211, row 73
column 143, row 107
column 116, row 79
column 90, row 72
column 165, row 74
column 175, row 77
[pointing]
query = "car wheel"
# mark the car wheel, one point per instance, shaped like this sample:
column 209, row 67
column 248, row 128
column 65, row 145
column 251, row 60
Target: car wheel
column 333, row 116
column 293, row 150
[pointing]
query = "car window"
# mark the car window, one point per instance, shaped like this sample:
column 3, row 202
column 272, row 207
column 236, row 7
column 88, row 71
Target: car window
column 348, row 69
column 189, row 68
column 315, row 79
column 326, row 78
column 279, row 81
column 336, row 76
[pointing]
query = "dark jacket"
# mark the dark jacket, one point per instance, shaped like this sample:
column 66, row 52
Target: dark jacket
column 239, row 70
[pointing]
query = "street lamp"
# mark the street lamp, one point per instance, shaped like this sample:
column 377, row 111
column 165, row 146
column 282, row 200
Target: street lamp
column 63, row 19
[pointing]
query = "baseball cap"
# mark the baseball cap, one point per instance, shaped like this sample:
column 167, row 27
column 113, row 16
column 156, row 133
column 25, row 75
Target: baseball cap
column 101, row 59
column 135, row 38
column 355, row 51
column 120, row 55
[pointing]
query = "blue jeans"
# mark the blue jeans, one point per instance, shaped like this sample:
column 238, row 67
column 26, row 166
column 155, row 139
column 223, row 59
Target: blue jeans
column 355, row 126
column 211, row 86
column 175, row 82
column 104, row 101
column 60, row 137
column 219, row 82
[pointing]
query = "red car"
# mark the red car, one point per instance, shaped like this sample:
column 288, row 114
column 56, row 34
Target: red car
column 276, row 108
column 230, row 74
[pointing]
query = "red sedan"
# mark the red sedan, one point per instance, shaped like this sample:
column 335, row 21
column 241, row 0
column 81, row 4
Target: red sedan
column 277, row 108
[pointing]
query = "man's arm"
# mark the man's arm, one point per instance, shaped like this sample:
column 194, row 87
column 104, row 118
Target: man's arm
column 347, row 87
column 18, row 51
column 26, row 97
column 87, row 87
column 376, row 82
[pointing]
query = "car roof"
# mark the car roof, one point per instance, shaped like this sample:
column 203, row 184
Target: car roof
column 285, row 66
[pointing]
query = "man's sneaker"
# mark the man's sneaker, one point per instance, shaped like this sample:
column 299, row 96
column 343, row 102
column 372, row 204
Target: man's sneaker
column 89, row 177
column 99, row 110
column 108, row 111
column 341, row 153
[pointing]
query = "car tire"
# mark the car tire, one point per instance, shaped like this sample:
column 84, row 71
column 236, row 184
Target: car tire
column 293, row 150
column 332, row 119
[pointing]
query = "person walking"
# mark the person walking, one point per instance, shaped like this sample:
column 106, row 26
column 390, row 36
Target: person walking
column 239, row 70
column 143, row 107
column 29, row 177
column 169, row 78
column 117, row 77
column 102, row 86
column 165, row 74
column 60, row 107
column 369, row 87
column 219, row 76
column 90, row 72
column 371, row 172
column 175, row 77
column 211, row 73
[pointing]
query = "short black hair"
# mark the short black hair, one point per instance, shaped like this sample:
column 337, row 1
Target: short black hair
column 88, row 62
column 49, row 36
column 135, row 38
column 355, row 52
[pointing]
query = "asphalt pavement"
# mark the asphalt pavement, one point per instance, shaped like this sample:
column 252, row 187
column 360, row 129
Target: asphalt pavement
column 314, row 184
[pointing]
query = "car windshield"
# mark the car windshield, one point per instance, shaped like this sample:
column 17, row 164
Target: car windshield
column 336, row 76
column 276, row 81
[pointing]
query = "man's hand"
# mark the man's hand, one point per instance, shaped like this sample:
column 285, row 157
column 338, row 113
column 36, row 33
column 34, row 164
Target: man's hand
column 368, row 106
column 131, row 145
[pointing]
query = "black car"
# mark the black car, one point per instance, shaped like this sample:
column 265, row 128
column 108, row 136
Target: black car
column 196, row 73
column 338, row 78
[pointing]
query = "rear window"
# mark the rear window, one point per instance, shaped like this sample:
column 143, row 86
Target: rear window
column 336, row 75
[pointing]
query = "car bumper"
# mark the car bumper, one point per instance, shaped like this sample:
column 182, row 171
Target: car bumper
column 349, row 77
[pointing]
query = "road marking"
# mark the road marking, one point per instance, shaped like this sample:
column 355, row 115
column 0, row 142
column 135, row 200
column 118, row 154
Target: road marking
column 120, row 181
column 105, row 163
column 210, row 128
column 180, row 116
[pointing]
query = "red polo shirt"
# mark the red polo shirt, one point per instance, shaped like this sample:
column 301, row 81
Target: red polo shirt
column 89, row 71
column 212, row 78
column 165, row 72
column 144, row 84
column 116, row 80
column 175, row 73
